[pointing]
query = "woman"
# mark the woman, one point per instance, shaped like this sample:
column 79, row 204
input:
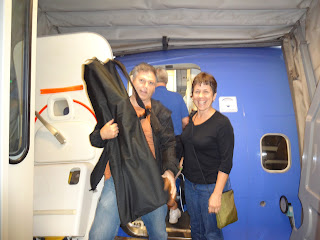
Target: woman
column 208, row 143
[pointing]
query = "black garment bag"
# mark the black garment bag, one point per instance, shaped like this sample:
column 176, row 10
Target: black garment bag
column 136, row 174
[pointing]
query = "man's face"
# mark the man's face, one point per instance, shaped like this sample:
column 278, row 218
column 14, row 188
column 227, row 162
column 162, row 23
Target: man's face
column 145, row 84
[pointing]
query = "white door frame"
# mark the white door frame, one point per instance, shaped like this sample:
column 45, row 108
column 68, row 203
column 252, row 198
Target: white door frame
column 5, row 43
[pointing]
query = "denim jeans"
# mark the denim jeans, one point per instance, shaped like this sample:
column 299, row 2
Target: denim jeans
column 203, row 224
column 107, row 221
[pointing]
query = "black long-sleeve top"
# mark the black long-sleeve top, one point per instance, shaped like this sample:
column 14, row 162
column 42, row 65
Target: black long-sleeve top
column 213, row 143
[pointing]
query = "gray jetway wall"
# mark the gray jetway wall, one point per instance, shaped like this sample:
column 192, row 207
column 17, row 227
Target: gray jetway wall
column 301, row 48
column 309, row 190
column 303, row 62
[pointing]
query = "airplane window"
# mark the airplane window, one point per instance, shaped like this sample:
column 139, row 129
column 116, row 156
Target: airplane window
column 275, row 153
column 180, row 77
column 19, row 80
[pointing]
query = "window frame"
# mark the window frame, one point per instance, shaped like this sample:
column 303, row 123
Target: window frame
column 19, row 155
column 288, row 150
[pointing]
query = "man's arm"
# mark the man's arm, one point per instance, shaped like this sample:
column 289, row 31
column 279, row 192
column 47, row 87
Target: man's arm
column 185, row 122
column 169, row 161
column 184, row 113
column 100, row 136
column 167, row 145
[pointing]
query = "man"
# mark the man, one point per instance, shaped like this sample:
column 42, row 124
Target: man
column 180, row 117
column 171, row 100
column 106, row 222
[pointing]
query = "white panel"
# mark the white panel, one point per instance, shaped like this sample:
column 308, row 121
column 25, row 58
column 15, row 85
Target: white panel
column 77, row 147
column 62, row 57
column 61, row 209
column 60, row 62
column 228, row 104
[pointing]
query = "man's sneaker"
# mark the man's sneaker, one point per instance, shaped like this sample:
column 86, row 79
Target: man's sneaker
column 174, row 215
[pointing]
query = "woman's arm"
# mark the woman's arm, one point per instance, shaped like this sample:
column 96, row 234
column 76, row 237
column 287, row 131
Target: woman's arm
column 226, row 145
column 214, row 204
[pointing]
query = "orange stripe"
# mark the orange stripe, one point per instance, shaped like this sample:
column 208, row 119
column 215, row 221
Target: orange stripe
column 41, row 112
column 58, row 90
column 82, row 104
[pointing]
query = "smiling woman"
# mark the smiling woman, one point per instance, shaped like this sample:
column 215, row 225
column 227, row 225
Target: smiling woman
column 208, row 142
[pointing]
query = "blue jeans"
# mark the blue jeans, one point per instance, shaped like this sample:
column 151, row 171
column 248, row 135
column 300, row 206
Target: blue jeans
column 203, row 224
column 107, row 221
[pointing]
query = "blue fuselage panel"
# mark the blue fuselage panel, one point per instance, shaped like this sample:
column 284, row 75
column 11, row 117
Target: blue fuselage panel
column 258, row 79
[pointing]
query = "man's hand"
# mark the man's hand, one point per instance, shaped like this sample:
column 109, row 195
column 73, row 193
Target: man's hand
column 109, row 130
column 181, row 163
column 171, row 184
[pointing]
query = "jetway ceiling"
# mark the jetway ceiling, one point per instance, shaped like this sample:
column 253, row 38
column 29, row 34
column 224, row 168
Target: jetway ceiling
column 139, row 25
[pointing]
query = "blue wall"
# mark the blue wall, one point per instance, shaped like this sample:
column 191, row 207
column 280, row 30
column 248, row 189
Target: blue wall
column 258, row 78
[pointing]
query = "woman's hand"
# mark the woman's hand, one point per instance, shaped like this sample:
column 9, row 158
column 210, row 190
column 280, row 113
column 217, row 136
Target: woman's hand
column 214, row 203
column 109, row 130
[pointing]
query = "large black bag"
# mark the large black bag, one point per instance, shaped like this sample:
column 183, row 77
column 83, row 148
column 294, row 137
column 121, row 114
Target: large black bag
column 136, row 174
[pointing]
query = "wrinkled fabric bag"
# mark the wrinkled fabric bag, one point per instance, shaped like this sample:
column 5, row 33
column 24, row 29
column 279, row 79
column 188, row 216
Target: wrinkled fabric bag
column 228, row 211
column 137, row 179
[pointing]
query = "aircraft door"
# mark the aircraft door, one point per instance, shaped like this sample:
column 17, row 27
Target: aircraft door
column 63, row 203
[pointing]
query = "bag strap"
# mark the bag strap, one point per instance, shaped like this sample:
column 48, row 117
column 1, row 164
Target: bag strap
column 194, row 151
column 192, row 124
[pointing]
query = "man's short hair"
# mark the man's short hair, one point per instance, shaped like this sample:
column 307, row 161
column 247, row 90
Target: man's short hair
column 142, row 67
column 162, row 75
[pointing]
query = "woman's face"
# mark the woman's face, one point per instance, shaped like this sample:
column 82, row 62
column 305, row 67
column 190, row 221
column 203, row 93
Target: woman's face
column 203, row 96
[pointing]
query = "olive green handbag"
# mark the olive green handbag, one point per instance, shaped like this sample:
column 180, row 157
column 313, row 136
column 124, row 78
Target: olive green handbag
column 228, row 212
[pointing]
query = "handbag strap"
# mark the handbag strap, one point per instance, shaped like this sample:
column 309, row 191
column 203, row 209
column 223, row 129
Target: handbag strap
column 204, row 179
column 194, row 151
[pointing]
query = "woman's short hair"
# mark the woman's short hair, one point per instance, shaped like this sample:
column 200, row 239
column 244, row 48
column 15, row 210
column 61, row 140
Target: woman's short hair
column 207, row 79
column 142, row 67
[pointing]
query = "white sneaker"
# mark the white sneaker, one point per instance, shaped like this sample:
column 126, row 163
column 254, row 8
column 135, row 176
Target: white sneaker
column 174, row 215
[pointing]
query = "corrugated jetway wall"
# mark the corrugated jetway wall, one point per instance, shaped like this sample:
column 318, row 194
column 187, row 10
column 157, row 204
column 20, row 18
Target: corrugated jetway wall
column 313, row 36
column 303, row 61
